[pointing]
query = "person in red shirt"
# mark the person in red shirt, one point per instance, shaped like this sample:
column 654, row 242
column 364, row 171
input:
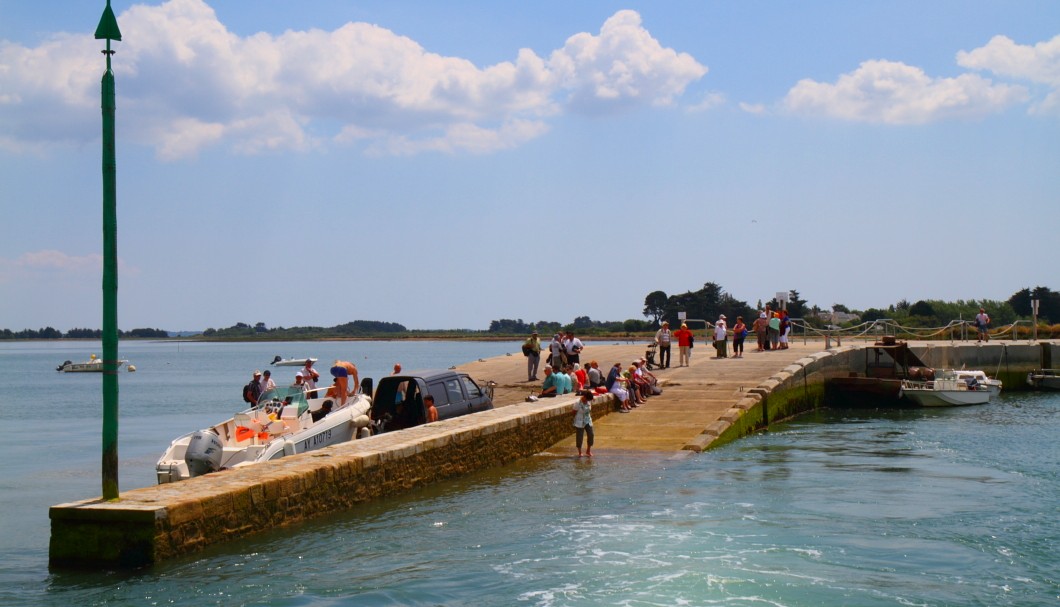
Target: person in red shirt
column 684, row 344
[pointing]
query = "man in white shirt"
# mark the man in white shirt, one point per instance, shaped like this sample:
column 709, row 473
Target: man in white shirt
column 662, row 337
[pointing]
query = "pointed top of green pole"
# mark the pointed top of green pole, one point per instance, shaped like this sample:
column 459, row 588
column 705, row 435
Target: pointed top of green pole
column 108, row 26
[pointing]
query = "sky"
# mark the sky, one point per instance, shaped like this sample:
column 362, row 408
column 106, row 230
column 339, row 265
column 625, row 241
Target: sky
column 444, row 164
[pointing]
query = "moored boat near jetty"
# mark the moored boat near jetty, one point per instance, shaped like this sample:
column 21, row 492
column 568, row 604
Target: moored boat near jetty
column 1044, row 379
column 282, row 423
column 946, row 390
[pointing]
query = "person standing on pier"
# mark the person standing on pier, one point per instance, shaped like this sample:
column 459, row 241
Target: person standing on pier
column 720, row 334
column 662, row 338
column 583, row 422
column 532, row 351
column 739, row 333
column 982, row 322
column 760, row 325
column 573, row 347
column 684, row 345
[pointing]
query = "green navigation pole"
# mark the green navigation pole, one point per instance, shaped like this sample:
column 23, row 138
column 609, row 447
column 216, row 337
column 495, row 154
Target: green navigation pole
column 108, row 29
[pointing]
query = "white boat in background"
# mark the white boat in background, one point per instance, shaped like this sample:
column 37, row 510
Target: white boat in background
column 1044, row 379
column 946, row 390
column 93, row 365
column 279, row 361
column 283, row 423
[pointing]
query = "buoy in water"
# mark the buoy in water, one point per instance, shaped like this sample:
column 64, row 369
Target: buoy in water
column 131, row 368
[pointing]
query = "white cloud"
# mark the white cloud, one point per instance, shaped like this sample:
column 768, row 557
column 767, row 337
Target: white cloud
column 709, row 101
column 753, row 108
column 49, row 262
column 186, row 83
column 891, row 92
column 1039, row 64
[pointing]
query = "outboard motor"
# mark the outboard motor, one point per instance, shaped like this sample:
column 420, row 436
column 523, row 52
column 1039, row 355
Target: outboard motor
column 366, row 387
column 277, row 359
column 204, row 452
column 60, row 367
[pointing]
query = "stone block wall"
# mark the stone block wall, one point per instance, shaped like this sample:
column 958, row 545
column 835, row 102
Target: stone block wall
column 155, row 523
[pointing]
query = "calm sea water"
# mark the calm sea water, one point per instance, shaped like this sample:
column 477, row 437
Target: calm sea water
column 938, row 507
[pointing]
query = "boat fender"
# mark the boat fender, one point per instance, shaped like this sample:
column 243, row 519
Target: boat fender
column 361, row 421
column 204, row 452
column 288, row 447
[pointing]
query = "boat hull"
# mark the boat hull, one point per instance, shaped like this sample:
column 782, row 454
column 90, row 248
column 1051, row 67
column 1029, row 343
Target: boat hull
column 254, row 436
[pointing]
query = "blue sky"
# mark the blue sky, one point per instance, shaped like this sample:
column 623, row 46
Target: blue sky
column 444, row 164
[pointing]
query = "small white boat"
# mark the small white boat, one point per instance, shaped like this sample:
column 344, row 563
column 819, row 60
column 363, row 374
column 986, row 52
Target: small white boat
column 1044, row 379
column 280, row 361
column 93, row 365
column 283, row 423
column 946, row 390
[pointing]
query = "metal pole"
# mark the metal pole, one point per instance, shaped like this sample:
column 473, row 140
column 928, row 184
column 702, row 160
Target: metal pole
column 108, row 29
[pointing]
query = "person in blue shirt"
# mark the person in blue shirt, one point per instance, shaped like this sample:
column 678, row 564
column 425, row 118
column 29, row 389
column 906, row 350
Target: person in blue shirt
column 552, row 385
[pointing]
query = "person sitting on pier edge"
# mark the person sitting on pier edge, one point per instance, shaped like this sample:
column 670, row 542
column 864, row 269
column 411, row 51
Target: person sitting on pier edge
column 581, row 377
column 653, row 382
column 662, row 337
column 614, row 386
column 432, row 412
column 552, row 384
column 596, row 377
column 637, row 386
column 565, row 377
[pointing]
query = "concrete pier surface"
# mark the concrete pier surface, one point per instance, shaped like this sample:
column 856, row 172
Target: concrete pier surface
column 693, row 397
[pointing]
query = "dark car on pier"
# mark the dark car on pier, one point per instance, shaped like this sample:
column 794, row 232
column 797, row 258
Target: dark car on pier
column 398, row 401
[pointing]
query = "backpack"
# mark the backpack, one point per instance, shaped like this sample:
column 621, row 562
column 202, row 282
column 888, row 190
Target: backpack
column 252, row 388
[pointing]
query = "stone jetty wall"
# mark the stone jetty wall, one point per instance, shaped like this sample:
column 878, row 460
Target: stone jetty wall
column 155, row 523
column 799, row 387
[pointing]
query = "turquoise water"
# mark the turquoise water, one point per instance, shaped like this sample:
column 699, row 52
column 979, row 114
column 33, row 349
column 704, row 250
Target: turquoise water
column 935, row 507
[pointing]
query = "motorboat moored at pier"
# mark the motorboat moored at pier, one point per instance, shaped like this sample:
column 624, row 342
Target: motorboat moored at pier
column 946, row 390
column 282, row 423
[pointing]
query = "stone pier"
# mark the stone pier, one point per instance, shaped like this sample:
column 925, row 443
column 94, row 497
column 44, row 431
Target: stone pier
column 710, row 402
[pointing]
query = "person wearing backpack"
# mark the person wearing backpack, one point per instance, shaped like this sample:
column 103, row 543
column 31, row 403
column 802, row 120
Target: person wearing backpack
column 252, row 391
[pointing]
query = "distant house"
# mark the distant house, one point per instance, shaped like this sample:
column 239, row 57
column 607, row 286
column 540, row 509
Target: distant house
column 837, row 318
